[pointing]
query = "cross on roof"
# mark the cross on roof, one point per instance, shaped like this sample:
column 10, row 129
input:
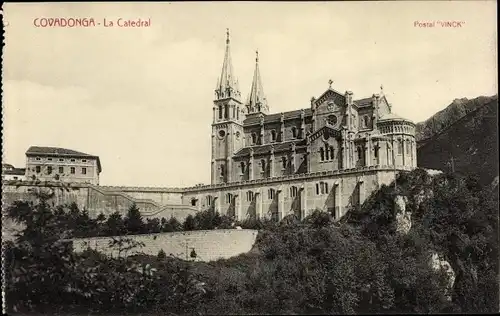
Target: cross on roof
column 330, row 83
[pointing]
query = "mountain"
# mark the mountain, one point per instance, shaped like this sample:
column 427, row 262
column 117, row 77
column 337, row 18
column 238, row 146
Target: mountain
column 464, row 139
column 458, row 109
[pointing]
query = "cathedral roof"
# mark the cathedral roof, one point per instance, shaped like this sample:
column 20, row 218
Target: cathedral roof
column 56, row 151
column 227, row 84
column 392, row 117
column 266, row 149
column 275, row 117
column 257, row 101
column 364, row 102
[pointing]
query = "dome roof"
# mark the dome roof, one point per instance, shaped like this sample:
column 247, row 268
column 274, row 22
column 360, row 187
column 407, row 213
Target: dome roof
column 392, row 117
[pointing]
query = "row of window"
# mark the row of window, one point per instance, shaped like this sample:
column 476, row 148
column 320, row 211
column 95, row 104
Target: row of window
column 72, row 170
column 59, row 159
column 321, row 188
column 224, row 112
column 263, row 165
column 400, row 147
column 397, row 129
column 326, row 153
column 256, row 140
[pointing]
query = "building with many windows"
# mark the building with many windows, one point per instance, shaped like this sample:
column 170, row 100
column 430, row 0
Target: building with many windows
column 60, row 164
column 331, row 154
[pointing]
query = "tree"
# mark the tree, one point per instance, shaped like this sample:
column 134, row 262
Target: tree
column 189, row 223
column 115, row 225
column 208, row 219
column 101, row 224
column 133, row 220
column 319, row 219
column 174, row 224
column 152, row 225
column 161, row 254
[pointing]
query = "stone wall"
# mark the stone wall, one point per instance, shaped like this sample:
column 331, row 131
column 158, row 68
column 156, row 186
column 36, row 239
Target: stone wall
column 297, row 194
column 334, row 191
column 153, row 202
column 208, row 245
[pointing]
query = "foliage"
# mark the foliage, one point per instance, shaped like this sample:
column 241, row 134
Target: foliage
column 189, row 223
column 44, row 275
column 361, row 266
column 133, row 221
column 161, row 254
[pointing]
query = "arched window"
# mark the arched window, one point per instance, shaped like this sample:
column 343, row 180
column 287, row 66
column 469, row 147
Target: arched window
column 321, row 154
column 366, row 121
column 242, row 167
column 263, row 165
column 322, row 188
column 193, row 202
column 238, row 113
column 327, row 153
column 209, row 200
column 359, row 152
column 294, row 132
column 400, row 147
column 273, row 135
column 220, row 112
column 375, row 151
column 293, row 191
column 283, row 162
column 226, row 112
column 331, row 152
column 271, row 194
column 229, row 198
column 234, row 111
column 222, row 171
column 249, row 196
column 254, row 138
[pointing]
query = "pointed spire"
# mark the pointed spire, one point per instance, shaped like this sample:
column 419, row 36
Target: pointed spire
column 257, row 101
column 227, row 84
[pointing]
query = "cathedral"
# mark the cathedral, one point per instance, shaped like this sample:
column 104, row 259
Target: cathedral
column 330, row 155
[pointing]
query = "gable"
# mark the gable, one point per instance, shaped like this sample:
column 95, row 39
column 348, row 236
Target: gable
column 383, row 106
column 330, row 96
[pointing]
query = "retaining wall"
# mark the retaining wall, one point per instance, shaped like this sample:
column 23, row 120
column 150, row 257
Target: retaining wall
column 208, row 245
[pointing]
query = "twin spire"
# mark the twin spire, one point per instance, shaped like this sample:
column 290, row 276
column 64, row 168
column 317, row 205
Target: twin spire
column 227, row 85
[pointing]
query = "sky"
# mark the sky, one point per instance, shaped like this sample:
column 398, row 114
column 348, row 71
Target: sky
column 141, row 98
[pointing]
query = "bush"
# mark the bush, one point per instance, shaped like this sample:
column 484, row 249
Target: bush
column 161, row 254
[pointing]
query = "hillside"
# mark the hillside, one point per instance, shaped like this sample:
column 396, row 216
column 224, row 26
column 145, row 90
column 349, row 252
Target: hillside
column 469, row 144
column 449, row 115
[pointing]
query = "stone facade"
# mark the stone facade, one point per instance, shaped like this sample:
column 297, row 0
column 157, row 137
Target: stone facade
column 258, row 157
column 66, row 165
column 209, row 245
column 153, row 202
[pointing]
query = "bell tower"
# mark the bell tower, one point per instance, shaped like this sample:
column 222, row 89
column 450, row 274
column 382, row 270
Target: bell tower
column 227, row 124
